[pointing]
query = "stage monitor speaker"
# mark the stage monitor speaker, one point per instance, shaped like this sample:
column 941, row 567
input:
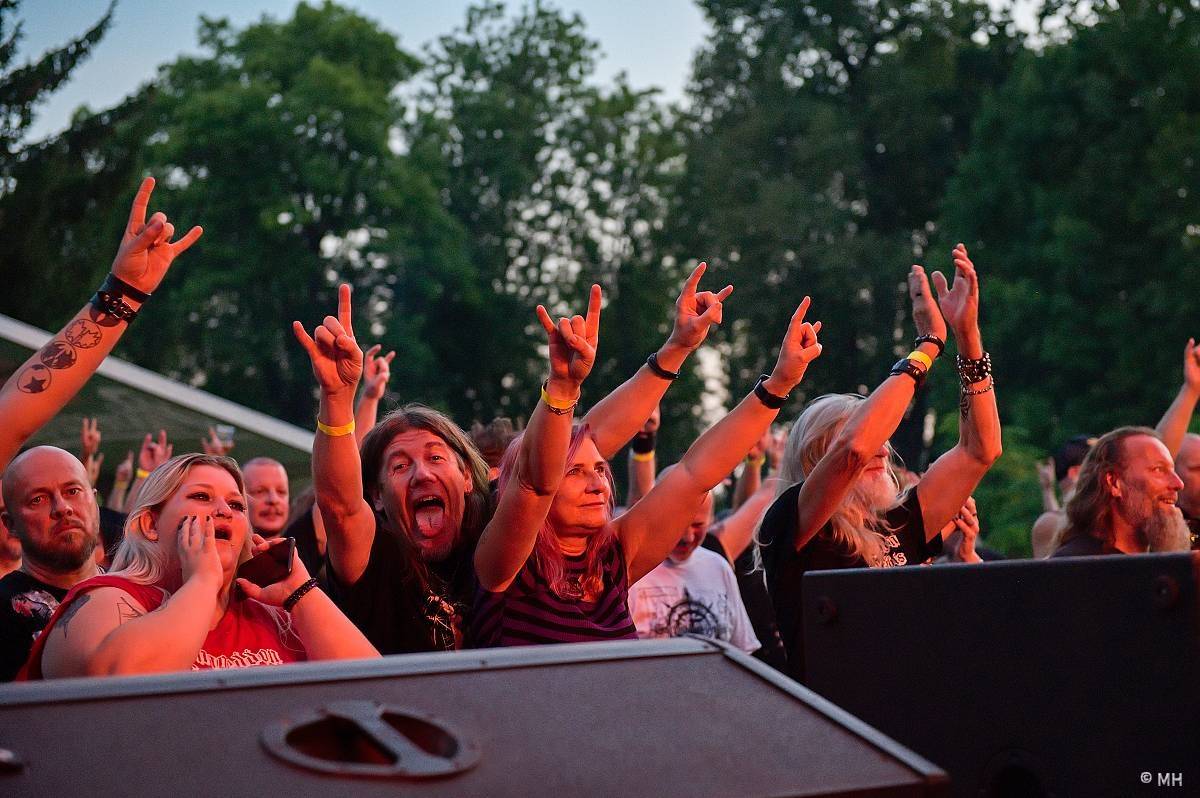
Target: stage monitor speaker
column 684, row 717
column 1072, row 677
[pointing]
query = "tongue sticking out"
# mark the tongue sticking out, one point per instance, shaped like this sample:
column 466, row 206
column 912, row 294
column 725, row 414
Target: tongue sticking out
column 430, row 520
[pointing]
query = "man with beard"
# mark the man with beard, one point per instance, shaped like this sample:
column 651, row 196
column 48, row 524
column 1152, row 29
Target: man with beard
column 267, row 491
column 1187, row 466
column 50, row 506
column 1125, row 498
column 421, row 482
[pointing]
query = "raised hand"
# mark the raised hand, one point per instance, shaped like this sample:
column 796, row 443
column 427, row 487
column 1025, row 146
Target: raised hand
column 1191, row 365
column 337, row 360
column 198, row 557
column 696, row 311
column 775, row 450
column 376, row 373
column 146, row 249
column 91, row 464
column 124, row 473
column 213, row 444
column 800, row 347
column 90, row 437
column 155, row 452
column 573, row 343
column 1045, row 472
column 960, row 304
column 927, row 317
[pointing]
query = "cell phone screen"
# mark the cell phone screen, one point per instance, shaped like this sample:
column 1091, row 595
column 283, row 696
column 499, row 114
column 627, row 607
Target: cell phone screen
column 270, row 566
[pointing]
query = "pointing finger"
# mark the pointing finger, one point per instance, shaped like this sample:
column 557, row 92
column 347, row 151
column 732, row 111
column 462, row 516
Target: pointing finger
column 693, row 280
column 141, row 201
column 344, row 309
column 592, row 328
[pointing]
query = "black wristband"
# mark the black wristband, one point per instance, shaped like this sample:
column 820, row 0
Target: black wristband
column 299, row 593
column 769, row 399
column 643, row 443
column 652, row 362
column 930, row 339
column 112, row 304
column 973, row 371
column 910, row 368
column 115, row 285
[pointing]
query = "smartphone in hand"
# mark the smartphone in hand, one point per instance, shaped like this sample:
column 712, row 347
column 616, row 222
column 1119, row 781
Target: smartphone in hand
column 270, row 566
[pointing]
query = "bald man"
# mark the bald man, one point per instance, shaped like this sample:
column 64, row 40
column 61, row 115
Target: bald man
column 267, row 489
column 49, row 505
column 1187, row 466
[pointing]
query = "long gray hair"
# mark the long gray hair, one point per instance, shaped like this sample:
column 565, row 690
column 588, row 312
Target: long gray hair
column 857, row 523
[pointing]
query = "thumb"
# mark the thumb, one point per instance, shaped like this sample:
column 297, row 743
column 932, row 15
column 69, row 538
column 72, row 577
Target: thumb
column 940, row 285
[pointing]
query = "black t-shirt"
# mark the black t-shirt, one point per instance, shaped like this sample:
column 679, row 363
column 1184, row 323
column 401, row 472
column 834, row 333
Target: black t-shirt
column 1083, row 546
column 304, row 532
column 392, row 606
column 26, row 605
column 905, row 545
column 752, row 584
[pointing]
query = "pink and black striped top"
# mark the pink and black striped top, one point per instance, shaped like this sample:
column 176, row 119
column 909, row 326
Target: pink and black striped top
column 529, row 612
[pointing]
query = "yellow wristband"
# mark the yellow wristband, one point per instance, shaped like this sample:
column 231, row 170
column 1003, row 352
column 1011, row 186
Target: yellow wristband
column 335, row 432
column 756, row 462
column 557, row 406
column 642, row 457
column 921, row 358
column 142, row 473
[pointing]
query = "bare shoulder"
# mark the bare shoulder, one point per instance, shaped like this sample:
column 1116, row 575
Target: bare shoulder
column 83, row 625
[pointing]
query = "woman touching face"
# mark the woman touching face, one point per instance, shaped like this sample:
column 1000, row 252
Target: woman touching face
column 208, row 491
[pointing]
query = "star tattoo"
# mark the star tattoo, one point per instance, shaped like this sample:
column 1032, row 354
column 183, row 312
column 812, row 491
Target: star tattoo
column 34, row 379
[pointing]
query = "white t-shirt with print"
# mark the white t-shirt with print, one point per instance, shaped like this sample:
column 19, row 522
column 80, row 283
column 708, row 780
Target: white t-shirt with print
column 699, row 595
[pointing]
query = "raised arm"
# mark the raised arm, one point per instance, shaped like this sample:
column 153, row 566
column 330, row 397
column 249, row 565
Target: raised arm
column 1045, row 473
column 49, row 379
column 121, row 480
column 871, row 423
column 508, row 539
column 643, row 462
column 337, row 364
column 952, row 478
column 107, row 632
column 652, row 527
column 1173, row 426
column 376, row 373
column 737, row 530
column 617, row 417
column 750, row 477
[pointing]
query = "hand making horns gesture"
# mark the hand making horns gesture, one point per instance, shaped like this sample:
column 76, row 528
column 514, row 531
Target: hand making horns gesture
column 572, row 344
column 800, row 347
column 696, row 311
column 146, row 249
column 337, row 360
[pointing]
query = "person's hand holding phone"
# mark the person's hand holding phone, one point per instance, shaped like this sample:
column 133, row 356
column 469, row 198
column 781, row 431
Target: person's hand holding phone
column 275, row 593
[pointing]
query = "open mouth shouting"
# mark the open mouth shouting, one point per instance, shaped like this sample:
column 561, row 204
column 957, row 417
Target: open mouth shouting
column 223, row 531
column 429, row 515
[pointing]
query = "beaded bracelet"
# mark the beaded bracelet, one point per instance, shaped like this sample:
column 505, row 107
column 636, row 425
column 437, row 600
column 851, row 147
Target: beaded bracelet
column 299, row 593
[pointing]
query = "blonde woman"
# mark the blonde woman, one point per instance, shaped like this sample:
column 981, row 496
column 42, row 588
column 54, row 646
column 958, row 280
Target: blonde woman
column 841, row 505
column 169, row 603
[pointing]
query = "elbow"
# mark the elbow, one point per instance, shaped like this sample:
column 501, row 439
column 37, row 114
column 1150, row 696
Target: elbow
column 989, row 453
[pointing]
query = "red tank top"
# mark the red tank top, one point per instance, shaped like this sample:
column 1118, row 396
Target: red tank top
column 245, row 637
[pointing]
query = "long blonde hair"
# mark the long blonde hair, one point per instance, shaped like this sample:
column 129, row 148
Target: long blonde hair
column 856, row 524
column 140, row 559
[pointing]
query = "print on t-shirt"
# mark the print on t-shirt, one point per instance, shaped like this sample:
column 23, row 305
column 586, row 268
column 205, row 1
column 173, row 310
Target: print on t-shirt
column 674, row 615
column 37, row 604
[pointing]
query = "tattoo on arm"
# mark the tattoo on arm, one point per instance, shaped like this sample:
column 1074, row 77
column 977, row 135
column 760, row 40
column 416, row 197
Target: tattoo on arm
column 70, row 611
column 126, row 611
column 964, row 405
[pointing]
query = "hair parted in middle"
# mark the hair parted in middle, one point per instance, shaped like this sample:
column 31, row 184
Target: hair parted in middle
column 1090, row 508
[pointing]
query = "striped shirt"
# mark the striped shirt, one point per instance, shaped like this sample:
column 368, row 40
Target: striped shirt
column 529, row 612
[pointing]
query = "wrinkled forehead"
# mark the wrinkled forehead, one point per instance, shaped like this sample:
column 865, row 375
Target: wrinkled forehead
column 414, row 442
column 1144, row 451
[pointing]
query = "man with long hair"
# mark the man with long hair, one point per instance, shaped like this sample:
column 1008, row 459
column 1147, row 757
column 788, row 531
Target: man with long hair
column 1125, row 499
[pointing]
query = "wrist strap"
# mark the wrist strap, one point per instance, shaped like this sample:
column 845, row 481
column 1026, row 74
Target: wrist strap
column 769, row 399
column 973, row 371
column 115, row 285
column 910, row 368
column 922, row 358
column 299, row 593
column 335, row 432
column 643, row 442
column 930, row 339
column 652, row 362
column 558, row 407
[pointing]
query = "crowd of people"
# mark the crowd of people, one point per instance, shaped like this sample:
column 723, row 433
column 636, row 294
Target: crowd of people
column 419, row 535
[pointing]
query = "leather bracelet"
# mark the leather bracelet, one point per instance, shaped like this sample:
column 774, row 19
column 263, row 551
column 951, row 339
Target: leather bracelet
column 643, row 442
column 652, row 362
column 299, row 593
column 909, row 367
column 973, row 371
column 113, row 304
column 769, row 399
column 115, row 285
column 930, row 339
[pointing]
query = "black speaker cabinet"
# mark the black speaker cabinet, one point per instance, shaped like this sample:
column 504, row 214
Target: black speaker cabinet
column 684, row 717
column 1072, row 677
